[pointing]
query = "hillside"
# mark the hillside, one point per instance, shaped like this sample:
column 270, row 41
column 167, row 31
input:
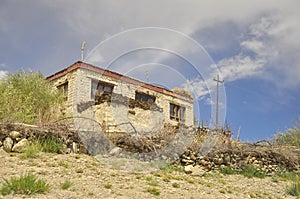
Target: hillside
column 91, row 179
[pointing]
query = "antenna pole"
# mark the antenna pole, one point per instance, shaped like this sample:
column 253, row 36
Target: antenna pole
column 82, row 50
column 217, row 100
column 147, row 75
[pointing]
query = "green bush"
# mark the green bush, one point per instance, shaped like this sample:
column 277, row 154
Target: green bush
column 108, row 186
column 175, row 185
column 294, row 188
column 50, row 144
column 288, row 175
column 27, row 184
column 290, row 137
column 66, row 184
column 227, row 170
column 250, row 172
column 171, row 168
column 154, row 191
column 32, row 150
column 27, row 98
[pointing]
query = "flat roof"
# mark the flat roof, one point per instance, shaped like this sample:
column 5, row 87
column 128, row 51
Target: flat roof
column 80, row 64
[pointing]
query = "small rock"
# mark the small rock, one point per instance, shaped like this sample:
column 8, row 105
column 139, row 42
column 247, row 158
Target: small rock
column 208, row 167
column 255, row 162
column 20, row 146
column 14, row 134
column 227, row 159
column 187, row 161
column 203, row 162
column 218, row 161
column 164, row 157
column 8, row 144
column 115, row 151
column 74, row 147
column 68, row 151
column 193, row 157
column 82, row 149
column 188, row 169
column 198, row 171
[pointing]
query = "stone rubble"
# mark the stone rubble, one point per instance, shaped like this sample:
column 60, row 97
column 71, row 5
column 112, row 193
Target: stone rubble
column 15, row 137
column 197, row 159
column 20, row 146
column 8, row 144
column 267, row 159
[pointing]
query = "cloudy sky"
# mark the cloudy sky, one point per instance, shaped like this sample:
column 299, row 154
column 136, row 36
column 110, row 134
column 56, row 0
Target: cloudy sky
column 253, row 45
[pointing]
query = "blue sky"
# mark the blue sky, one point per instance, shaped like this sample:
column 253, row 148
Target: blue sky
column 253, row 45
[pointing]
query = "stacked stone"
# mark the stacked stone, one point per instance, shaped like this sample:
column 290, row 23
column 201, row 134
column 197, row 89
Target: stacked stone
column 15, row 138
column 264, row 159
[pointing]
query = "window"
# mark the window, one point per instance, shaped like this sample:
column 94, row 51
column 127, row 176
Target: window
column 64, row 89
column 177, row 113
column 99, row 88
column 144, row 97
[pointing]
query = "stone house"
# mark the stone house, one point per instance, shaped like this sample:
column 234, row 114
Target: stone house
column 113, row 99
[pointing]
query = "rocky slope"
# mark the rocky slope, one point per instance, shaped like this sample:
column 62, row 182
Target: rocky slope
column 91, row 179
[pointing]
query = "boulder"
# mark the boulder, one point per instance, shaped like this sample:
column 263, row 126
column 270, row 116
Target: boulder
column 20, row 146
column 8, row 144
column 14, row 134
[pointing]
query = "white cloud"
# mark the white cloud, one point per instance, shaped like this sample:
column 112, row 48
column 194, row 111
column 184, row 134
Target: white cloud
column 197, row 86
column 269, row 40
column 240, row 66
column 3, row 74
column 268, row 52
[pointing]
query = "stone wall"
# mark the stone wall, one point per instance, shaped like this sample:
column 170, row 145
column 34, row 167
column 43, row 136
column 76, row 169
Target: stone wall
column 224, row 153
column 15, row 137
column 265, row 157
column 79, row 82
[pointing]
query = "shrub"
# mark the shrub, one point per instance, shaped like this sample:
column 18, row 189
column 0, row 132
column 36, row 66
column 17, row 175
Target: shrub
column 66, row 184
column 288, row 175
column 32, row 150
column 154, row 191
column 27, row 184
column 79, row 170
column 27, row 98
column 108, row 186
column 63, row 164
column 290, row 137
column 171, row 168
column 250, row 172
column 153, row 183
column 175, row 185
column 227, row 170
column 294, row 188
column 50, row 144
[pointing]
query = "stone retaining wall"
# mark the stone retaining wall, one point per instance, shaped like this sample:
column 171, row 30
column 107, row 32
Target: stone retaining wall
column 15, row 137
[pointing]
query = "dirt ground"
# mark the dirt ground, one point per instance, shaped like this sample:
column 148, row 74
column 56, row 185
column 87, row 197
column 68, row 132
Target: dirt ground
column 92, row 179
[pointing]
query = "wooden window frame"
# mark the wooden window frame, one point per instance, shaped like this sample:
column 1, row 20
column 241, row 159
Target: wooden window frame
column 177, row 112
column 102, row 88
column 144, row 97
column 64, row 87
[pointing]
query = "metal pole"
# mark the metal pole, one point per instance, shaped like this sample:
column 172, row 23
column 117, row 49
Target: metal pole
column 82, row 50
column 217, row 100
